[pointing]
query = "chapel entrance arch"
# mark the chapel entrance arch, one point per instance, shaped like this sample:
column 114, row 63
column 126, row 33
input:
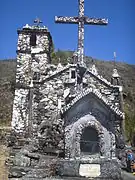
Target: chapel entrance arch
column 89, row 142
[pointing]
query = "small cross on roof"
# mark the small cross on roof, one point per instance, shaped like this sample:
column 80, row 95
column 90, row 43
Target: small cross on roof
column 37, row 22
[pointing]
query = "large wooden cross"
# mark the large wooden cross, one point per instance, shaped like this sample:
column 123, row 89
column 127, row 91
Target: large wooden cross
column 81, row 20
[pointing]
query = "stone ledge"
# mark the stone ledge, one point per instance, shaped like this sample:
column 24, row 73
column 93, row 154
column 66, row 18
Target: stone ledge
column 109, row 168
column 65, row 178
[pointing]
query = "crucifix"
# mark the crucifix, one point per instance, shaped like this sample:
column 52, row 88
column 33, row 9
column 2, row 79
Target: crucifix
column 81, row 20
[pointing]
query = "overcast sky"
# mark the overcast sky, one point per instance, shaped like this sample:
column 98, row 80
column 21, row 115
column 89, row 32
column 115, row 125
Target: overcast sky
column 100, row 42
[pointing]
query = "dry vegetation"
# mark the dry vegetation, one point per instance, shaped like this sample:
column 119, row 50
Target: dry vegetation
column 3, row 168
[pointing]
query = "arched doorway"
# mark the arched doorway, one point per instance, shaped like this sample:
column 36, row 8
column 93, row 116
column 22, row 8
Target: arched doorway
column 89, row 142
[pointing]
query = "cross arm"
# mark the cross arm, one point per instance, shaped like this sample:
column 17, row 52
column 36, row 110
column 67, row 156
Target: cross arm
column 96, row 21
column 69, row 20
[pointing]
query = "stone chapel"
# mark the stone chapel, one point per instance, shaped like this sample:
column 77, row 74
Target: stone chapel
column 69, row 112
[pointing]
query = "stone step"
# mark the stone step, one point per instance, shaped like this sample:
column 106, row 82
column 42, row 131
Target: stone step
column 53, row 178
column 18, row 172
column 125, row 176
column 64, row 178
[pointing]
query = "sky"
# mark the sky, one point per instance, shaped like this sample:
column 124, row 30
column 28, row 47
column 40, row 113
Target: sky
column 100, row 41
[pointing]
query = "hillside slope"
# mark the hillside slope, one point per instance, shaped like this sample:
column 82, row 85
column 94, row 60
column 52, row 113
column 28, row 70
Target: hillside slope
column 7, row 84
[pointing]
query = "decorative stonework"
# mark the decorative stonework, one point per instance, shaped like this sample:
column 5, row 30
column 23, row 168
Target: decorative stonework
column 20, row 110
column 103, row 91
column 73, row 134
column 54, row 104
column 100, row 96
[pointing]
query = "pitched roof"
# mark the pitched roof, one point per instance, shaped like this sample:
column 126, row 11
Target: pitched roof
column 97, row 93
column 85, row 92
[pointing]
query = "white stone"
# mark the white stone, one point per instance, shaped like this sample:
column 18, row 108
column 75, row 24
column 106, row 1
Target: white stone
column 59, row 104
column 44, row 100
column 27, row 26
column 59, row 82
column 66, row 92
column 59, row 66
column 31, row 84
column 36, row 50
column 115, row 73
column 94, row 70
column 89, row 170
column 120, row 88
column 84, row 80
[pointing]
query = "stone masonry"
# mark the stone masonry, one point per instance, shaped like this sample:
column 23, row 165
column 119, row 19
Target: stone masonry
column 52, row 107
column 31, row 62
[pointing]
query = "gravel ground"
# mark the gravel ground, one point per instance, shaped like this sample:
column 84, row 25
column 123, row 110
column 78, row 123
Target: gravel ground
column 3, row 168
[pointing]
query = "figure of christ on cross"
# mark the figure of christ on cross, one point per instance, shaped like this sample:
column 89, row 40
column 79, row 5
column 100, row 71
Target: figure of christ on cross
column 81, row 20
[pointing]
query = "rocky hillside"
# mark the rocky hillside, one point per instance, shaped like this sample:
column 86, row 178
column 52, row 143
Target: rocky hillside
column 127, row 73
column 7, row 84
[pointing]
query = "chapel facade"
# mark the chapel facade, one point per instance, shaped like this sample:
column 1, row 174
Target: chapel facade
column 69, row 111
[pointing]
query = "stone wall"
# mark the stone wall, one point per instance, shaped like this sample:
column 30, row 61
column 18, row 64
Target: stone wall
column 32, row 59
column 54, row 104
column 20, row 110
column 43, row 38
column 31, row 63
column 47, row 103
column 109, row 92
column 109, row 168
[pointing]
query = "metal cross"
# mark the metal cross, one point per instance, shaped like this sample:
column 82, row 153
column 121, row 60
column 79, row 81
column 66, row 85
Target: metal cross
column 81, row 20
